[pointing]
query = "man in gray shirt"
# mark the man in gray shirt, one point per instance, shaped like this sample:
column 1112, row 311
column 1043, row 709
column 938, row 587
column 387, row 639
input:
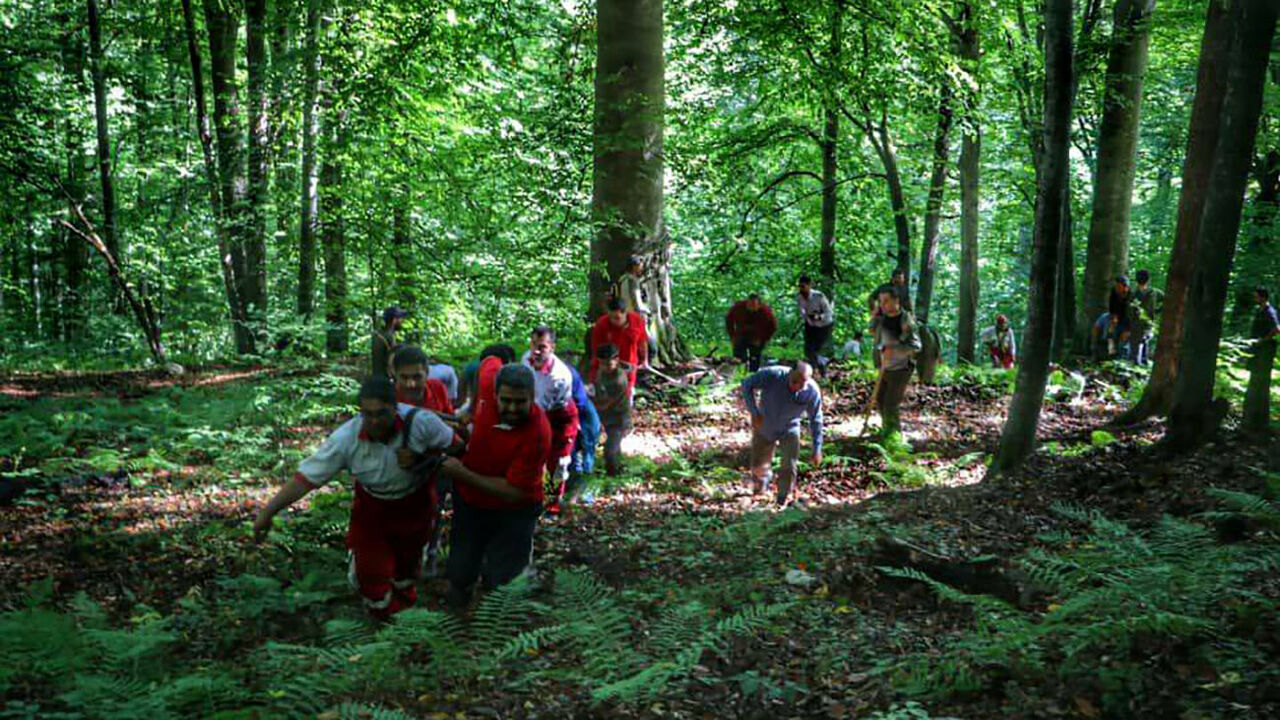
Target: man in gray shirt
column 784, row 395
column 897, row 343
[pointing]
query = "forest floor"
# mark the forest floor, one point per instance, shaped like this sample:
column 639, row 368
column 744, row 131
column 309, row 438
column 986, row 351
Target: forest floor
column 1105, row 580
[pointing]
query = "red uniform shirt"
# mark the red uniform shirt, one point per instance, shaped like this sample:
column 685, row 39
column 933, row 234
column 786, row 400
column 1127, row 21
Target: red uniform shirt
column 629, row 338
column 518, row 454
column 754, row 327
column 435, row 397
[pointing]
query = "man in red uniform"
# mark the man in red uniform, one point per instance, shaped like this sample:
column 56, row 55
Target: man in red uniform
column 498, row 482
column 390, row 520
column 413, row 387
column 626, row 331
column 750, row 324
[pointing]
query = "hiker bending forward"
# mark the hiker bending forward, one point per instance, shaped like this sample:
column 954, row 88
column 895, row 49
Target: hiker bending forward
column 390, row 515
column 894, row 330
column 784, row 395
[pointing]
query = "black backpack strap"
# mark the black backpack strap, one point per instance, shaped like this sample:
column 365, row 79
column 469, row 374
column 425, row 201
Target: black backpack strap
column 429, row 463
column 408, row 426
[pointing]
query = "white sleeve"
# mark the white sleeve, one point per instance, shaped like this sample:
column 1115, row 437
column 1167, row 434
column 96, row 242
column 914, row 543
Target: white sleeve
column 429, row 433
column 332, row 455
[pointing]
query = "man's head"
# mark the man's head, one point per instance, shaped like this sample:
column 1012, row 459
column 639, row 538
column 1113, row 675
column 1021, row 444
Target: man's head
column 805, row 285
column 410, row 368
column 753, row 302
column 1002, row 322
column 505, row 353
column 635, row 266
column 377, row 399
column 1261, row 295
column 799, row 376
column 1122, row 284
column 889, row 303
column 899, row 276
column 607, row 354
column 1143, row 277
column 515, row 394
column 393, row 317
column 617, row 312
column 542, row 346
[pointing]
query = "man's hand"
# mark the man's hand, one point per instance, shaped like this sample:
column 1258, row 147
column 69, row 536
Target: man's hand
column 816, row 460
column 261, row 525
column 757, row 421
column 451, row 468
column 407, row 458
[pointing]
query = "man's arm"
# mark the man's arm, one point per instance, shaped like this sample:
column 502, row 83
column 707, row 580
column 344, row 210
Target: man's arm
column 815, row 426
column 642, row 356
column 749, row 387
column 453, row 469
column 292, row 492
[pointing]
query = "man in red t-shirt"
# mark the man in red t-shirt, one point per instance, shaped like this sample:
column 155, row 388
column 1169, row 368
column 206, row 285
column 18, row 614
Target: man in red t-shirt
column 750, row 324
column 413, row 387
column 626, row 331
column 498, row 482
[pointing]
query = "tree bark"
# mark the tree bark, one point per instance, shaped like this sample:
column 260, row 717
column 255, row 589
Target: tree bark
column 970, row 172
column 933, row 206
column 1194, row 416
column 104, row 139
column 239, row 328
column 310, row 195
column 75, row 253
column 1202, row 139
column 255, row 251
column 1108, row 249
column 1017, row 440
column 627, row 201
column 1064, row 315
column 830, row 145
column 333, row 239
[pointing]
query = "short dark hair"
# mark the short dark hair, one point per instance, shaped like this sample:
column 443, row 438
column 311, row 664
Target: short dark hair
column 544, row 330
column 887, row 288
column 1123, row 280
column 503, row 352
column 376, row 387
column 515, row 376
column 898, row 271
column 409, row 355
column 804, row 279
column 614, row 305
column 633, row 261
column 1142, row 276
column 607, row 351
column 1266, row 294
column 753, row 296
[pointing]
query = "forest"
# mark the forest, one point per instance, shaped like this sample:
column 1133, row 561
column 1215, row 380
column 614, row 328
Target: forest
column 884, row 359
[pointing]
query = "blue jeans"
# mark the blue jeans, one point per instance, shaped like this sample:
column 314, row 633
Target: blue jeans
column 584, row 448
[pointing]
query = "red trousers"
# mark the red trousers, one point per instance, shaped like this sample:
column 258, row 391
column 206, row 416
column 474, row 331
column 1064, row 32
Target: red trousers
column 1001, row 358
column 386, row 538
column 564, row 432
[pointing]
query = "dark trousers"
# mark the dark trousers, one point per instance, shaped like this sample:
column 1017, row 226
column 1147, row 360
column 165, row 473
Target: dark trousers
column 499, row 541
column 1257, row 397
column 748, row 351
column 815, row 338
column 614, row 433
column 893, row 388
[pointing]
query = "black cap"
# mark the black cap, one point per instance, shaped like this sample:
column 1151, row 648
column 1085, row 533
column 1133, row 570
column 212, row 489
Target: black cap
column 394, row 312
column 1123, row 280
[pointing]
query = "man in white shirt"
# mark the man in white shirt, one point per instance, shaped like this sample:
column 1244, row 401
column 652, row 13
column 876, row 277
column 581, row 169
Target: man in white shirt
column 390, row 514
column 818, row 318
column 553, row 392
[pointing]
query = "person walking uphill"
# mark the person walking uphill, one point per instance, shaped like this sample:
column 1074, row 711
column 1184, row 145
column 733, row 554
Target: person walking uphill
column 498, row 482
column 390, row 516
column 553, row 392
column 625, row 330
column 818, row 318
column 897, row 343
column 785, row 395
column 750, row 324
column 384, row 342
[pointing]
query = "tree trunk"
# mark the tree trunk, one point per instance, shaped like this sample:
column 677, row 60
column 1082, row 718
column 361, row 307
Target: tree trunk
column 104, row 139
column 970, row 171
column 830, row 145
column 1202, row 139
column 627, row 200
column 223, row 26
column 1194, row 416
column 402, row 251
column 1018, row 437
column 239, row 329
column 310, row 194
column 1257, row 398
column 75, row 254
column 255, row 251
column 333, row 239
column 933, row 207
column 1108, row 249
column 1064, row 315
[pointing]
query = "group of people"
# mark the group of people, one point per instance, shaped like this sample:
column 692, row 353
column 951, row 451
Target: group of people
column 1126, row 330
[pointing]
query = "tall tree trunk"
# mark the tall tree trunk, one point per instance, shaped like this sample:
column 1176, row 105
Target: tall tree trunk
column 104, row 139
column 255, row 251
column 882, row 141
column 1064, row 314
column 830, row 145
column 627, row 197
column 970, row 171
column 222, row 27
column 333, row 239
column 239, row 329
column 933, row 207
column 310, row 194
column 1202, row 139
column 75, row 254
column 1017, row 440
column 1108, row 249
column 1194, row 415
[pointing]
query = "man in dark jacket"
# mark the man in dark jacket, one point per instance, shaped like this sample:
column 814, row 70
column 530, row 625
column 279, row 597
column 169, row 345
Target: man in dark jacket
column 750, row 324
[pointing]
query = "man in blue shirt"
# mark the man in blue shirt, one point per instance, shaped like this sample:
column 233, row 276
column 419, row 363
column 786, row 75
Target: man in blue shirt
column 776, row 398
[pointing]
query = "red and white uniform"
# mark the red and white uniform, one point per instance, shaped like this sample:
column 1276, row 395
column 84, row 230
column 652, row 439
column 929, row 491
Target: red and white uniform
column 390, row 516
column 495, row 450
column 631, row 338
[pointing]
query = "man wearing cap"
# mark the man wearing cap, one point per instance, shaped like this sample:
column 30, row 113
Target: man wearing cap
column 553, row 384
column 750, row 324
column 784, row 396
column 1000, row 344
column 818, row 318
column 384, row 341
column 625, row 330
